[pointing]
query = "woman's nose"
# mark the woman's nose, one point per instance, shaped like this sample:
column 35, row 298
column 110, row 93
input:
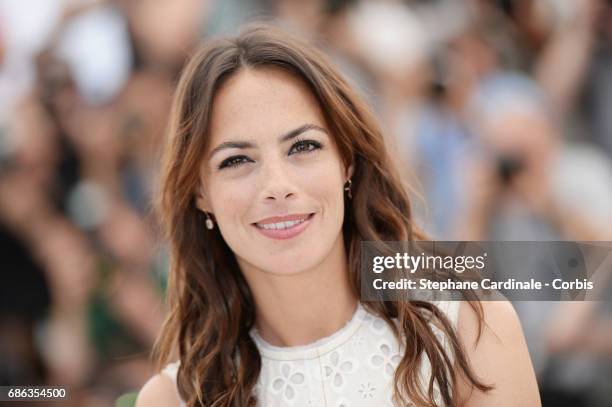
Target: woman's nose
column 276, row 183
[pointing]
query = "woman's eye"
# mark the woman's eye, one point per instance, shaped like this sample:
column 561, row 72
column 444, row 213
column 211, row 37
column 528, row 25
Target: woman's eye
column 304, row 146
column 234, row 161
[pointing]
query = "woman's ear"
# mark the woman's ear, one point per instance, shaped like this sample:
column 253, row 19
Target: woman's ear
column 350, row 171
column 202, row 200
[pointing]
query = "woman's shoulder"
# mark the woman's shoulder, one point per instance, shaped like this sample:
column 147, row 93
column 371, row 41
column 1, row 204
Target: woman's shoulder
column 499, row 319
column 498, row 329
column 450, row 308
column 160, row 390
column 501, row 342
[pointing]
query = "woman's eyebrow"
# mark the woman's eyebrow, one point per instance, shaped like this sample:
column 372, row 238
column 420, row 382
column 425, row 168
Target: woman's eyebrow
column 285, row 137
column 231, row 144
column 303, row 128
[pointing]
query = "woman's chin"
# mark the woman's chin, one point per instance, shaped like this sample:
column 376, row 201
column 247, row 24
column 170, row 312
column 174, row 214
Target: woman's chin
column 286, row 268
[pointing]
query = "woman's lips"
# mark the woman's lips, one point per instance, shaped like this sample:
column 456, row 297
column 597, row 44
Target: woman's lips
column 284, row 227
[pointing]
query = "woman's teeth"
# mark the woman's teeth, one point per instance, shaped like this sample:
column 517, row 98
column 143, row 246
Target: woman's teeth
column 281, row 225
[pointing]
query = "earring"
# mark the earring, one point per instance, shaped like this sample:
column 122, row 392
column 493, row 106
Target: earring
column 209, row 222
column 347, row 188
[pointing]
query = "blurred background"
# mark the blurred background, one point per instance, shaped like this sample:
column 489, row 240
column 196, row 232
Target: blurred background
column 501, row 112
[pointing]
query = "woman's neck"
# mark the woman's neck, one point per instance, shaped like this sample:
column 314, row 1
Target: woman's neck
column 299, row 309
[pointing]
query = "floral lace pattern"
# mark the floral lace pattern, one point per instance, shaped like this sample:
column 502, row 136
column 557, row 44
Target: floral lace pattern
column 353, row 367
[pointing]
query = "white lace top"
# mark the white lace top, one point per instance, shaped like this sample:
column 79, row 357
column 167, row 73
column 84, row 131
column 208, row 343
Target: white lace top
column 353, row 367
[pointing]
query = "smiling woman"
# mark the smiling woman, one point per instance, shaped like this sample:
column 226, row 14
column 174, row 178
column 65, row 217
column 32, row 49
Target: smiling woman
column 274, row 173
column 269, row 142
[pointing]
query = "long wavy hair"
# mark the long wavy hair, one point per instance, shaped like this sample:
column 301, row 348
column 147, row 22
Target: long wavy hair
column 211, row 309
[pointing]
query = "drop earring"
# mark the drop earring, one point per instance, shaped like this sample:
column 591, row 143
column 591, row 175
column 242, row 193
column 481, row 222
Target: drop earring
column 347, row 188
column 210, row 225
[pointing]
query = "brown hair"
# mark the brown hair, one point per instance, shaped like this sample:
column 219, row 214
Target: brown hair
column 211, row 307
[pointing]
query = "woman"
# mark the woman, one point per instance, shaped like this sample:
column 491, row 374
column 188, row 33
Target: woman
column 273, row 175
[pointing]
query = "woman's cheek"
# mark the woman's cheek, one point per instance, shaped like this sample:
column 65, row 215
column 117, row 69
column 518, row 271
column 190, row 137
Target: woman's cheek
column 325, row 186
column 232, row 199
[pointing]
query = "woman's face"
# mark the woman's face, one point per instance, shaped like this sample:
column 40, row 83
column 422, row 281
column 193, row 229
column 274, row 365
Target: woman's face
column 272, row 175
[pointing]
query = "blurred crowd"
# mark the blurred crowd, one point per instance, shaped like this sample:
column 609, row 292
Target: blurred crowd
column 500, row 111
